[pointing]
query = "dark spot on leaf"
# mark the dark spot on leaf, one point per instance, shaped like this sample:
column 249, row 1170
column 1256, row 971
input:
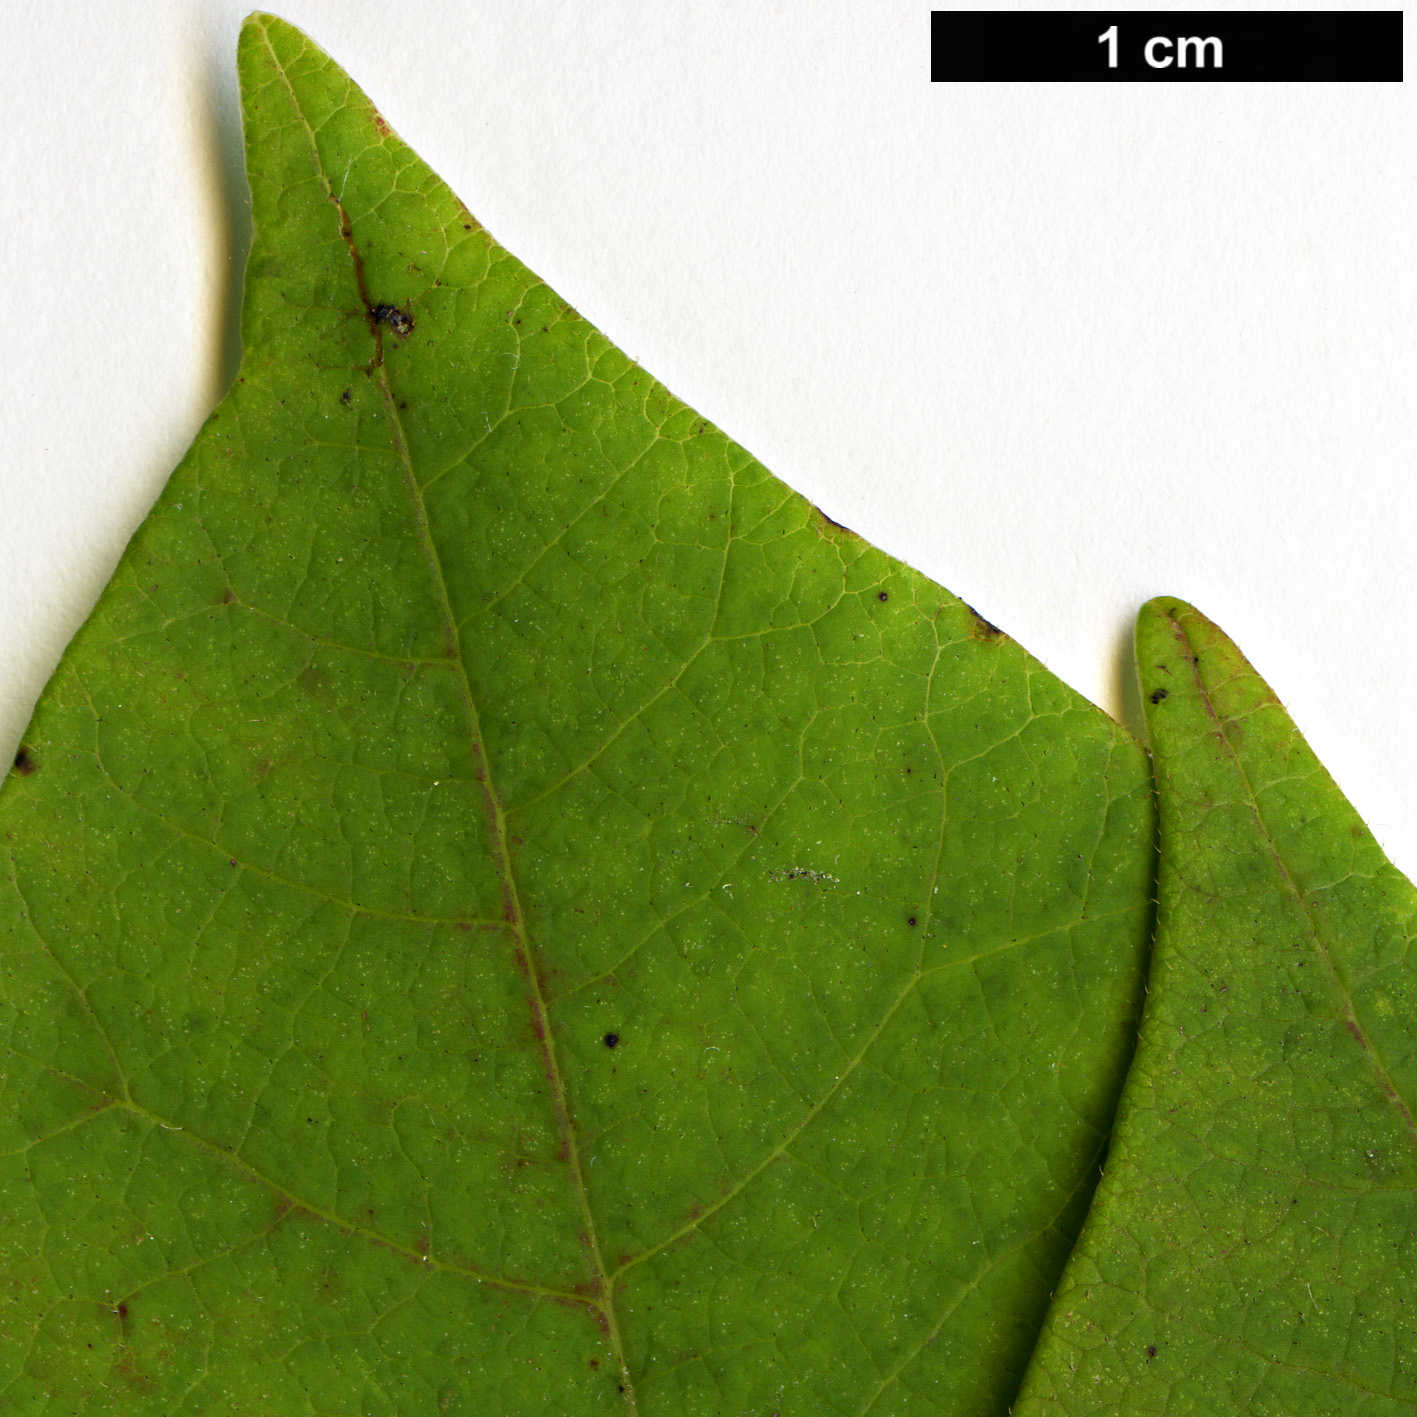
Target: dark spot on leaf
column 911, row 921
column 227, row 596
column 404, row 404
column 1159, row 694
column 611, row 1040
column 467, row 226
column 232, row 862
column 595, row 1362
column 984, row 629
column 400, row 322
column 1151, row 1350
column 314, row 680
column 122, row 1310
column 884, row 595
column 24, row 763
column 344, row 398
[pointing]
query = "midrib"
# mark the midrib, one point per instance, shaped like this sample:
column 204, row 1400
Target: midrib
column 497, row 833
column 1349, row 1012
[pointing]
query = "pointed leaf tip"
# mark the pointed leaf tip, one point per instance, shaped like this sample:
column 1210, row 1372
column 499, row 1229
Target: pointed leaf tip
column 260, row 27
column 1251, row 1244
column 1178, row 647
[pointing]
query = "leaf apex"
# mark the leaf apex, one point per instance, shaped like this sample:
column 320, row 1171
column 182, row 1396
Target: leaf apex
column 264, row 19
column 1169, row 629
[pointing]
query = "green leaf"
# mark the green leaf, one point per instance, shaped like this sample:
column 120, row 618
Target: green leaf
column 1251, row 1247
column 504, row 908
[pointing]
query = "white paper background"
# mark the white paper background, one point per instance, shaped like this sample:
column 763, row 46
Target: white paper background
column 1062, row 347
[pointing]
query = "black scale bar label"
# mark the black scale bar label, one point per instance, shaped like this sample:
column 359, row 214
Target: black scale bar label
column 1166, row 46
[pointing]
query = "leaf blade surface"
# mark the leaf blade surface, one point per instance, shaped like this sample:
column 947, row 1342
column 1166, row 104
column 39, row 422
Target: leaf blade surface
column 1249, row 1248
column 467, row 703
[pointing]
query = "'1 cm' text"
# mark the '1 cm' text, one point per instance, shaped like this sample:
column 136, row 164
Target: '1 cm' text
column 1158, row 55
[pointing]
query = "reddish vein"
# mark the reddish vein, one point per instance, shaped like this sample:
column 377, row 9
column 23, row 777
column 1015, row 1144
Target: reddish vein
column 497, row 831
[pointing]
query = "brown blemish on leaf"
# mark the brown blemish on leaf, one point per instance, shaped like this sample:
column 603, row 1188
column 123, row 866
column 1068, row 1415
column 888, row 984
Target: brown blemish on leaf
column 538, row 1025
column 830, row 521
column 227, row 596
column 983, row 629
column 1393, row 1096
column 1159, row 694
column 399, row 321
column 24, row 762
column 127, row 1369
